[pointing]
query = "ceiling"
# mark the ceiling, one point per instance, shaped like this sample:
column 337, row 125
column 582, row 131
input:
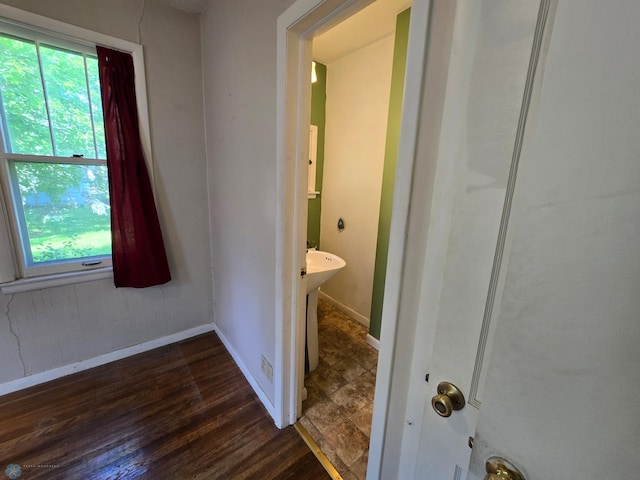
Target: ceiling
column 372, row 23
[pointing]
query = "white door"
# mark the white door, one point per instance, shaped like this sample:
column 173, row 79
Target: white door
column 488, row 72
column 559, row 396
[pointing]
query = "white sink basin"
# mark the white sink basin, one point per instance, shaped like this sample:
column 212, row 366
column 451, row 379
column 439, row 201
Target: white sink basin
column 321, row 266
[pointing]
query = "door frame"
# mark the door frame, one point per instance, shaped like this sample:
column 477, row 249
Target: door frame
column 295, row 29
column 296, row 26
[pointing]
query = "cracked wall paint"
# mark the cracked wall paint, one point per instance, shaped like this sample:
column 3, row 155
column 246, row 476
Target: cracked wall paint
column 144, row 5
column 11, row 347
column 13, row 331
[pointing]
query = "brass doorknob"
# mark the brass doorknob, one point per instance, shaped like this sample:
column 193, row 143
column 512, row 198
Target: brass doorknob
column 500, row 469
column 449, row 399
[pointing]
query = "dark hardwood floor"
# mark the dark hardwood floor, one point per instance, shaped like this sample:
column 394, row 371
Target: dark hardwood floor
column 184, row 411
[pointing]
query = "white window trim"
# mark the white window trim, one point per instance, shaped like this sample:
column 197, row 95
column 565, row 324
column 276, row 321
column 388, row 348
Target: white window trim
column 55, row 280
column 79, row 35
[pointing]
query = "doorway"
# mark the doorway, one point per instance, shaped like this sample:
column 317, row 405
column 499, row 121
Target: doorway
column 356, row 106
column 296, row 27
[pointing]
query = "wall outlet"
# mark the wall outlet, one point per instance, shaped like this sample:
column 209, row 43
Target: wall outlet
column 267, row 369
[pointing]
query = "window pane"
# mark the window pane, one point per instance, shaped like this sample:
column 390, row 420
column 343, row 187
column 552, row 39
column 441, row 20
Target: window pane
column 64, row 209
column 96, row 105
column 23, row 99
column 66, row 84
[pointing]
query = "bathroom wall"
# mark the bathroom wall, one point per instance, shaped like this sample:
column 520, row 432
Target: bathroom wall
column 318, row 108
column 358, row 87
column 44, row 329
column 389, row 174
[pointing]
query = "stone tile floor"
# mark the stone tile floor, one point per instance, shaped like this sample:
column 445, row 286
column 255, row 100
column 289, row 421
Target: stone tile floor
column 339, row 405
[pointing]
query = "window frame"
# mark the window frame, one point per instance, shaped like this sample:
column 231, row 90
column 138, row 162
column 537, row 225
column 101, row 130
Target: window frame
column 16, row 220
column 8, row 161
column 19, row 277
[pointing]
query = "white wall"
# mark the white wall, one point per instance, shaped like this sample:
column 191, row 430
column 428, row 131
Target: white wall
column 63, row 325
column 239, row 56
column 358, row 89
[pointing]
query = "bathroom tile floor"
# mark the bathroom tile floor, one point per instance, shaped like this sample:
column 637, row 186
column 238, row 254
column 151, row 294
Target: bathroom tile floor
column 337, row 411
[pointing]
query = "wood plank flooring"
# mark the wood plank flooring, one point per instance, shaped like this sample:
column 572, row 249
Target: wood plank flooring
column 184, row 411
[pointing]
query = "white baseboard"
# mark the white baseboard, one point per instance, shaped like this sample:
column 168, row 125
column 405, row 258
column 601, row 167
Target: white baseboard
column 343, row 308
column 55, row 373
column 247, row 374
column 373, row 341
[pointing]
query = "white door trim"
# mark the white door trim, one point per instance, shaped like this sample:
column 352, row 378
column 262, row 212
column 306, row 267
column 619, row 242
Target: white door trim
column 399, row 307
column 293, row 66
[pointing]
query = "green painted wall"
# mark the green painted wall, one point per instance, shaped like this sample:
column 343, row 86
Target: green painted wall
column 389, row 171
column 318, row 107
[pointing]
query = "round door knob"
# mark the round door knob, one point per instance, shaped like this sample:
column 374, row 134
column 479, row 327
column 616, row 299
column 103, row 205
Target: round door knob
column 500, row 469
column 448, row 400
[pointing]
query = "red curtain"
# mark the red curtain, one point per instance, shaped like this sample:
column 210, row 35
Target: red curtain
column 139, row 258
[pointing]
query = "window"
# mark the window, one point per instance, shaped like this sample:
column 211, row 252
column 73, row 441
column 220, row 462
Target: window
column 53, row 164
column 54, row 200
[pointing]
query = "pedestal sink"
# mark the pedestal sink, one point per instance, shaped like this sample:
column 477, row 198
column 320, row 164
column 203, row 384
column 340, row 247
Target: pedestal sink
column 321, row 266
